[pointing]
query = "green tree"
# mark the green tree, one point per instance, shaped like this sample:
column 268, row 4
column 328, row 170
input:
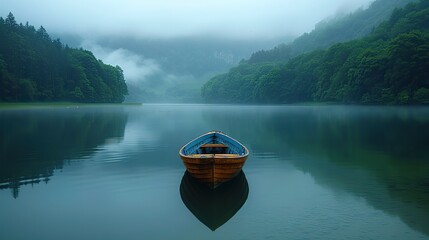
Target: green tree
column 10, row 21
column 33, row 67
column 390, row 66
column 421, row 96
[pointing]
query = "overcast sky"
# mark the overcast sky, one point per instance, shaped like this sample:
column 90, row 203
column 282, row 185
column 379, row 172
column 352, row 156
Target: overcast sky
column 178, row 18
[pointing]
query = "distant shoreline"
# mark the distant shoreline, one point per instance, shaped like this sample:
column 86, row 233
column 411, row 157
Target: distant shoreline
column 21, row 105
column 10, row 105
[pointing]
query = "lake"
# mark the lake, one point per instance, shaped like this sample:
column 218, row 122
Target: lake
column 314, row 172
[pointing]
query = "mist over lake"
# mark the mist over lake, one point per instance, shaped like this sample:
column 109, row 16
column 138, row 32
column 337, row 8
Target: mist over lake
column 114, row 171
column 214, row 119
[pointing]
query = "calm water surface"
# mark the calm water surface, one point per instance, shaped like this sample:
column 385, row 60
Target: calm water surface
column 315, row 172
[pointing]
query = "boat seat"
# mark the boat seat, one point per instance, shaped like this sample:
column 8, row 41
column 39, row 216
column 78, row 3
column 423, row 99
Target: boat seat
column 227, row 155
column 214, row 155
column 202, row 155
column 214, row 145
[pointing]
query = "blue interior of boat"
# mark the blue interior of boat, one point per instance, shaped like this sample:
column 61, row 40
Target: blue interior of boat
column 232, row 146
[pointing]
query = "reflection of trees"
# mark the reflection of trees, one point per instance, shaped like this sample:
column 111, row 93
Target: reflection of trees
column 379, row 154
column 34, row 143
column 389, row 148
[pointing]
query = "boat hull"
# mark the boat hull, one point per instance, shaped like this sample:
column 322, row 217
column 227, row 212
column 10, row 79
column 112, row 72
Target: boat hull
column 213, row 171
column 214, row 158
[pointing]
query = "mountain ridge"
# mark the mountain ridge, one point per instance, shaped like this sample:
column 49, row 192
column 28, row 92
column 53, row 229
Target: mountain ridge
column 387, row 67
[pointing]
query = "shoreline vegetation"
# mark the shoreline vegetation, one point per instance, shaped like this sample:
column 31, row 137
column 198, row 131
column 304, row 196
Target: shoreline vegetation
column 36, row 68
column 387, row 67
column 20, row 105
column 23, row 105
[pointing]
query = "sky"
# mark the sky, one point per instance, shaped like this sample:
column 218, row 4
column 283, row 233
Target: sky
column 236, row 19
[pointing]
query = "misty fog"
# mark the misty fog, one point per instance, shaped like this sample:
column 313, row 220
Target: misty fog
column 169, row 49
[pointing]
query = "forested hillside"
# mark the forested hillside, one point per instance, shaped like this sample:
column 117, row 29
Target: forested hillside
column 341, row 28
column 390, row 66
column 33, row 67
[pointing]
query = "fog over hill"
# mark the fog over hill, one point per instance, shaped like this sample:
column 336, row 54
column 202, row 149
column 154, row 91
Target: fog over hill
column 172, row 70
column 169, row 49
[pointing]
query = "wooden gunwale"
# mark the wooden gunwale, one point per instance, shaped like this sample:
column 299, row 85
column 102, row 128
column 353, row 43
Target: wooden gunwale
column 214, row 168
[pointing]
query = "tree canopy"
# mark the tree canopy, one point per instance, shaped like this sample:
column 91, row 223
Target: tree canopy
column 389, row 66
column 341, row 28
column 34, row 67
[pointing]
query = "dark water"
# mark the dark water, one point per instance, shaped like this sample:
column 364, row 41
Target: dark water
column 315, row 172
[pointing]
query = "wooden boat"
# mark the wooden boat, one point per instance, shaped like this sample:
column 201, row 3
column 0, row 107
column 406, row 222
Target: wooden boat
column 214, row 207
column 214, row 158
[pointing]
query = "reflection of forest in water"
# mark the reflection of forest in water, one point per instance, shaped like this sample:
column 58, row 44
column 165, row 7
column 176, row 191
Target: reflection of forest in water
column 35, row 142
column 377, row 153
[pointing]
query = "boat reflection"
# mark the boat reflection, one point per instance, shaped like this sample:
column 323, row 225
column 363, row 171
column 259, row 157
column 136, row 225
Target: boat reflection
column 214, row 207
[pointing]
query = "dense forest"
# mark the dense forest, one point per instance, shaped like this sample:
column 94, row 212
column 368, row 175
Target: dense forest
column 34, row 67
column 389, row 66
column 337, row 29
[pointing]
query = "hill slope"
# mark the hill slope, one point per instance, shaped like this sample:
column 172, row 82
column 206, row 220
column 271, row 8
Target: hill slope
column 387, row 67
column 331, row 31
column 33, row 67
